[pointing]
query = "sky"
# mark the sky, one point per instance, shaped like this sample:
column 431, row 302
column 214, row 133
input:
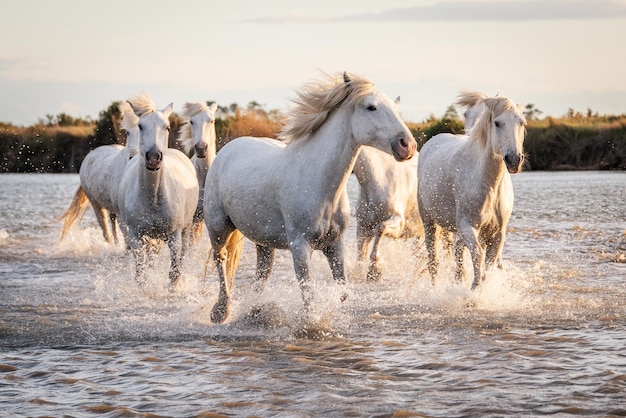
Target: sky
column 77, row 57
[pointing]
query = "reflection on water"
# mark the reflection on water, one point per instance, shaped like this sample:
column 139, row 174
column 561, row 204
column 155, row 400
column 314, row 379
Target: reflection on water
column 545, row 336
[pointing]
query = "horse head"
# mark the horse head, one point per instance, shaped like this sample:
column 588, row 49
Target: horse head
column 376, row 121
column 504, row 127
column 200, row 133
column 154, row 128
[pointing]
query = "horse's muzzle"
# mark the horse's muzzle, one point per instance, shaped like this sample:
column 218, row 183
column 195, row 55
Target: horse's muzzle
column 514, row 162
column 153, row 160
column 201, row 150
column 404, row 147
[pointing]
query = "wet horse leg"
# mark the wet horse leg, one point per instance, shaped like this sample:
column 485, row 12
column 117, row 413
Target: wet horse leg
column 391, row 227
column 102, row 216
column 430, row 239
column 264, row 263
column 301, row 254
column 494, row 250
column 469, row 236
column 175, row 244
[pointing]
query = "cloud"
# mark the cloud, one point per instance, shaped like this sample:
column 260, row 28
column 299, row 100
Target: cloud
column 473, row 11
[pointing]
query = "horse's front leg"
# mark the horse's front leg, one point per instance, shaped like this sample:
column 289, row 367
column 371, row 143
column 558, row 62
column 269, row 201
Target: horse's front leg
column 139, row 250
column 494, row 250
column 264, row 263
column 391, row 227
column 430, row 239
column 175, row 244
column 375, row 270
column 301, row 254
column 469, row 236
column 459, row 249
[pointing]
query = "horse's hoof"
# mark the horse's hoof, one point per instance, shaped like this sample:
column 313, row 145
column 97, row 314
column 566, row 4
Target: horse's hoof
column 219, row 313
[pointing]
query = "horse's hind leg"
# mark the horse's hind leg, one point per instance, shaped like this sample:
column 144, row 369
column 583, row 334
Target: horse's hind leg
column 493, row 254
column 102, row 216
column 113, row 222
column 264, row 263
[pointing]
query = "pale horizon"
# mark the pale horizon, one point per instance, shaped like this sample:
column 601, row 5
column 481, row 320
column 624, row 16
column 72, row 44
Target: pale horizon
column 78, row 57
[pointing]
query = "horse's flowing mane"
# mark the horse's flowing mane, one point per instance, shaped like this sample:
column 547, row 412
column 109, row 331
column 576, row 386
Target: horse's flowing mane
column 185, row 134
column 494, row 107
column 129, row 119
column 315, row 100
column 468, row 98
column 142, row 104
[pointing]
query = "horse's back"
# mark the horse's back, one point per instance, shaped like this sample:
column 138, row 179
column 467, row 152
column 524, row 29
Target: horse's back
column 95, row 174
column 247, row 178
column 437, row 177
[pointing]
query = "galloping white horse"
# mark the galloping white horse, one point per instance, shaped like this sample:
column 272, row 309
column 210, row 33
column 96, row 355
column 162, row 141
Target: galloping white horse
column 158, row 193
column 464, row 185
column 199, row 134
column 100, row 174
column 292, row 195
column 387, row 203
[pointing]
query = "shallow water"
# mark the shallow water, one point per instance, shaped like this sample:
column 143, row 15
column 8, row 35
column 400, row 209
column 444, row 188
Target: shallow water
column 545, row 336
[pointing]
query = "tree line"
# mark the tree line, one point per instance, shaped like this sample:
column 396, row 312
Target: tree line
column 59, row 143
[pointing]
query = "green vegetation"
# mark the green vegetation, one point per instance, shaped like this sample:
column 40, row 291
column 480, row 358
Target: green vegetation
column 59, row 143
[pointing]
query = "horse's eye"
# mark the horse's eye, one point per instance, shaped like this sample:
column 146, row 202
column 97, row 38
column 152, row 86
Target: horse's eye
column 497, row 123
column 140, row 127
column 191, row 122
column 371, row 108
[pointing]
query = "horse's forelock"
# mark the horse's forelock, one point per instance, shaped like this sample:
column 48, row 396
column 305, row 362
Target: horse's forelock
column 142, row 104
column 315, row 100
column 494, row 107
column 193, row 108
column 469, row 98
column 129, row 118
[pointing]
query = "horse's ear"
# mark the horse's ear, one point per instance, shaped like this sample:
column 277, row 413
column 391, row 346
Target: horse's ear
column 397, row 101
column 213, row 107
column 169, row 109
column 135, row 111
column 346, row 78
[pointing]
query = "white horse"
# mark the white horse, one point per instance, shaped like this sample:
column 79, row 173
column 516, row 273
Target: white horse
column 130, row 123
column 387, row 203
column 199, row 134
column 292, row 195
column 100, row 174
column 464, row 186
column 158, row 193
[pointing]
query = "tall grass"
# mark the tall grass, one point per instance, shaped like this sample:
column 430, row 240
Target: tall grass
column 570, row 143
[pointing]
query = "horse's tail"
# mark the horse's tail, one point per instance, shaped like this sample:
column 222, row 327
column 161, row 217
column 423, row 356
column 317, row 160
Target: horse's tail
column 234, row 248
column 77, row 208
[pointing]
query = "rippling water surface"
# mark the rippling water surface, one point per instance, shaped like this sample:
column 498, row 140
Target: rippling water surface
column 547, row 335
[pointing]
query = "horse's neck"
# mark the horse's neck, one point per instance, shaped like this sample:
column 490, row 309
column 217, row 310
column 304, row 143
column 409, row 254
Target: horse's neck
column 491, row 169
column 329, row 154
column 151, row 182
